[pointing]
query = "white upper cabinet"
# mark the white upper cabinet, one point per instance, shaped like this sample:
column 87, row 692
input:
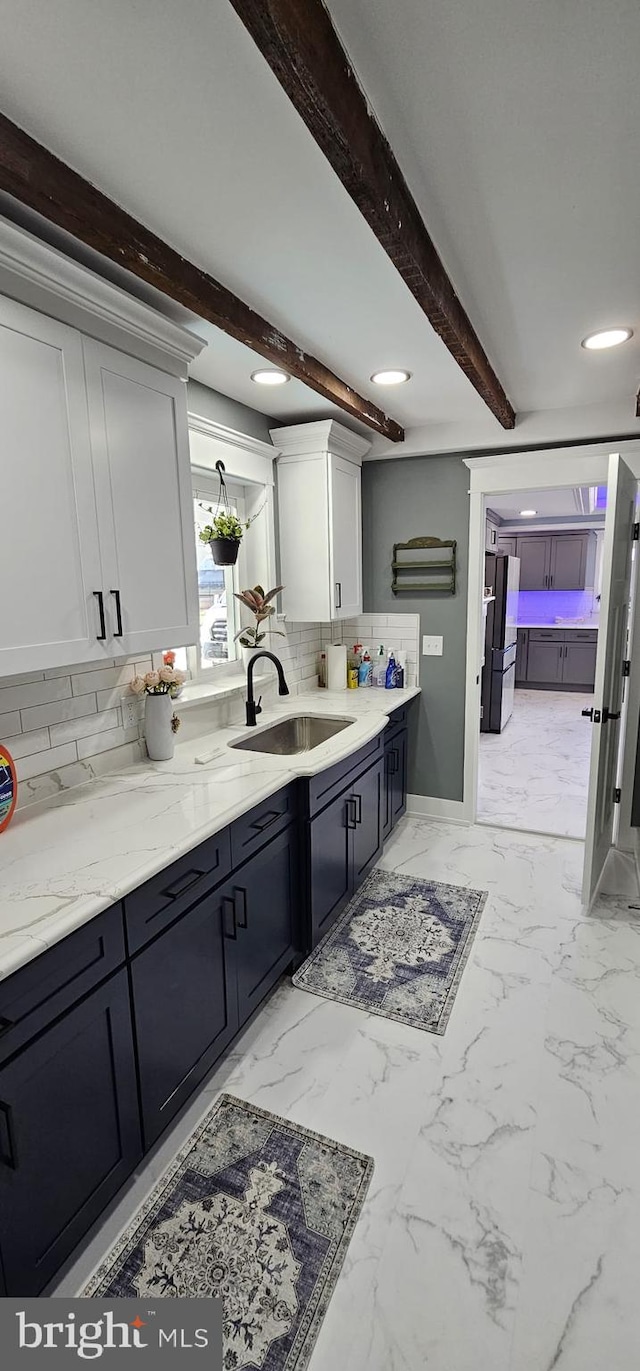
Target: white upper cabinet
column 97, row 556
column 320, row 520
column 140, row 447
column 49, row 555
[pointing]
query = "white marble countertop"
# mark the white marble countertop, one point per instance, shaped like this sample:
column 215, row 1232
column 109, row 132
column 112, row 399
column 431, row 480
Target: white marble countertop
column 560, row 628
column 66, row 859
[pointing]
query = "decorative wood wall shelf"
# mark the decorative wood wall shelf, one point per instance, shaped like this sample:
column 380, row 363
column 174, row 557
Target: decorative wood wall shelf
column 444, row 568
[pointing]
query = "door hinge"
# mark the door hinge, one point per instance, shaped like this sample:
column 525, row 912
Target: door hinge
column 617, row 795
column 626, row 668
column 636, row 532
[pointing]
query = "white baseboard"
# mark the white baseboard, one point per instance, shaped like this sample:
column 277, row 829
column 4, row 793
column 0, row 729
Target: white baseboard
column 430, row 807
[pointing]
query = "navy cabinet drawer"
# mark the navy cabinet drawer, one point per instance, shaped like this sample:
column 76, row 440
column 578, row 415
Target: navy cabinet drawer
column 166, row 896
column 327, row 784
column 39, row 992
column 580, row 635
column 256, row 828
column 546, row 635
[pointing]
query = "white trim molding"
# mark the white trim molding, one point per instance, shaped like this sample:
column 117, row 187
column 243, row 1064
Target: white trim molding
column 245, row 458
column 44, row 278
column 325, row 435
column 431, row 807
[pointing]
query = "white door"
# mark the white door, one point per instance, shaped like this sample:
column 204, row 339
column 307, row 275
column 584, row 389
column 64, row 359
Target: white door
column 345, row 536
column 49, row 556
column 614, row 611
column 140, row 443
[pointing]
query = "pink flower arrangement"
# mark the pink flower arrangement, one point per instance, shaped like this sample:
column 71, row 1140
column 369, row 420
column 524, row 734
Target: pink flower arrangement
column 166, row 681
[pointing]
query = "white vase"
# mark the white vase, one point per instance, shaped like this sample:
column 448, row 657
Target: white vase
column 247, row 654
column 158, row 733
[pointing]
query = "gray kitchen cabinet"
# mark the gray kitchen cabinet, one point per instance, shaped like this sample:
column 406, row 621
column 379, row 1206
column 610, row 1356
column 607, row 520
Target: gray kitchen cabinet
column 544, row 662
column 579, row 664
column 522, row 652
column 535, row 555
column 506, row 545
column 557, row 561
column 567, row 569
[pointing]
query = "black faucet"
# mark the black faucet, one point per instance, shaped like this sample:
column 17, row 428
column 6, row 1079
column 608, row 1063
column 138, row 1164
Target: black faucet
column 254, row 709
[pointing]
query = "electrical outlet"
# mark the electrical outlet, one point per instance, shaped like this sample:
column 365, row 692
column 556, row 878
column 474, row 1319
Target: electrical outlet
column 130, row 711
column 431, row 647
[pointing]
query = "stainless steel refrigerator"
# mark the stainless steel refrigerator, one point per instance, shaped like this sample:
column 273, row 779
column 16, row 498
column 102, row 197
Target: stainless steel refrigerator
column 502, row 574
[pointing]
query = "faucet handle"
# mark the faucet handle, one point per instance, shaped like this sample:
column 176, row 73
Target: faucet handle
column 259, row 705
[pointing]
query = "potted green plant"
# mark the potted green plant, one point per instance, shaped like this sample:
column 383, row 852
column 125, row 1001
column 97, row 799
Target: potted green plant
column 224, row 535
column 258, row 602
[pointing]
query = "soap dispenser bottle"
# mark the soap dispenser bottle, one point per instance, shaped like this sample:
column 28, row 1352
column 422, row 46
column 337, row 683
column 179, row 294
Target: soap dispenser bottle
column 390, row 681
column 365, row 669
column 380, row 669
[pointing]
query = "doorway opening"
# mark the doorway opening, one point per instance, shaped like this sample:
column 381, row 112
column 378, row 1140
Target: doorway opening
column 541, row 605
column 613, row 709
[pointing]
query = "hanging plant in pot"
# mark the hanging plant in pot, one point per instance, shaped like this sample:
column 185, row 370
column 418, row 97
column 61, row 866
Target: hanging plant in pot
column 257, row 601
column 161, row 724
column 225, row 531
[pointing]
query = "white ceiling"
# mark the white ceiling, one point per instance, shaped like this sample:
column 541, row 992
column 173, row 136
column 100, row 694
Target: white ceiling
column 548, row 504
column 515, row 125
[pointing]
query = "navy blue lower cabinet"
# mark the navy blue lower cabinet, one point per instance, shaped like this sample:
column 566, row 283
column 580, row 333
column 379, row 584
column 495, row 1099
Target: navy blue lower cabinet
column 69, row 1134
column 266, row 902
column 344, row 842
column 394, row 800
column 366, row 835
column 329, row 864
column 185, row 1006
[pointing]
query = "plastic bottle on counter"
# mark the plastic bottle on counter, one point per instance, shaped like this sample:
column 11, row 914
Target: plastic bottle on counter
column 390, row 680
column 354, row 657
column 401, row 671
column 380, row 668
column 365, row 669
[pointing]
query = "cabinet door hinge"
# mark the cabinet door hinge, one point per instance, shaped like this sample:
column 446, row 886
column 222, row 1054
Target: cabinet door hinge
column 626, row 668
column 617, row 795
column 636, row 532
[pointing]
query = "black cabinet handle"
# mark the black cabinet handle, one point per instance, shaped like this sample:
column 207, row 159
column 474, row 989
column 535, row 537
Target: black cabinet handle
column 116, row 596
column 103, row 627
column 8, row 1154
column 229, row 912
column 239, row 890
column 351, row 819
column 393, row 753
column 266, row 822
column 338, row 595
column 180, row 887
column 358, row 800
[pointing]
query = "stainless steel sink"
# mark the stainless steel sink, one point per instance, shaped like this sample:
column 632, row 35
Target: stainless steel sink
column 301, row 733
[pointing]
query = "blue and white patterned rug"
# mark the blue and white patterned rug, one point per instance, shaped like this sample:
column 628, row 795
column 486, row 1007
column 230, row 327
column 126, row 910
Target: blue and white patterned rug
column 399, row 949
column 257, row 1210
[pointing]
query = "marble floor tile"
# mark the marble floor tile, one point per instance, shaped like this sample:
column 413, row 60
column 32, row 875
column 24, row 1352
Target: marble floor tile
column 502, row 1227
column 535, row 774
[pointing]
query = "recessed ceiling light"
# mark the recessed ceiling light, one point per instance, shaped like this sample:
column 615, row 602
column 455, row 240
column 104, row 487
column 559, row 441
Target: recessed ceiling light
column 394, row 377
column 528, row 513
column 607, row 338
column 272, row 377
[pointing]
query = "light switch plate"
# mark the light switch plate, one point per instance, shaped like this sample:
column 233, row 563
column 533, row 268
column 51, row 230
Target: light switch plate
column 431, row 647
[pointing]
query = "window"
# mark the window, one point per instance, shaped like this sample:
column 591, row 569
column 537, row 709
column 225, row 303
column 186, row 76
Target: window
column 216, row 653
column 216, row 585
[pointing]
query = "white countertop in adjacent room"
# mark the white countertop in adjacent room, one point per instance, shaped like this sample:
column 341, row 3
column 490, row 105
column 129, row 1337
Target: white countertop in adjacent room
column 560, row 628
column 66, row 859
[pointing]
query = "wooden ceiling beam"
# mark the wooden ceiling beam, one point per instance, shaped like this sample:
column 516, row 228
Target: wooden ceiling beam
column 299, row 42
column 37, row 178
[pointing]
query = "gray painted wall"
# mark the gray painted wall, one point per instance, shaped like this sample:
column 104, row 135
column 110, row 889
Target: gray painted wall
column 413, row 497
column 221, row 409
